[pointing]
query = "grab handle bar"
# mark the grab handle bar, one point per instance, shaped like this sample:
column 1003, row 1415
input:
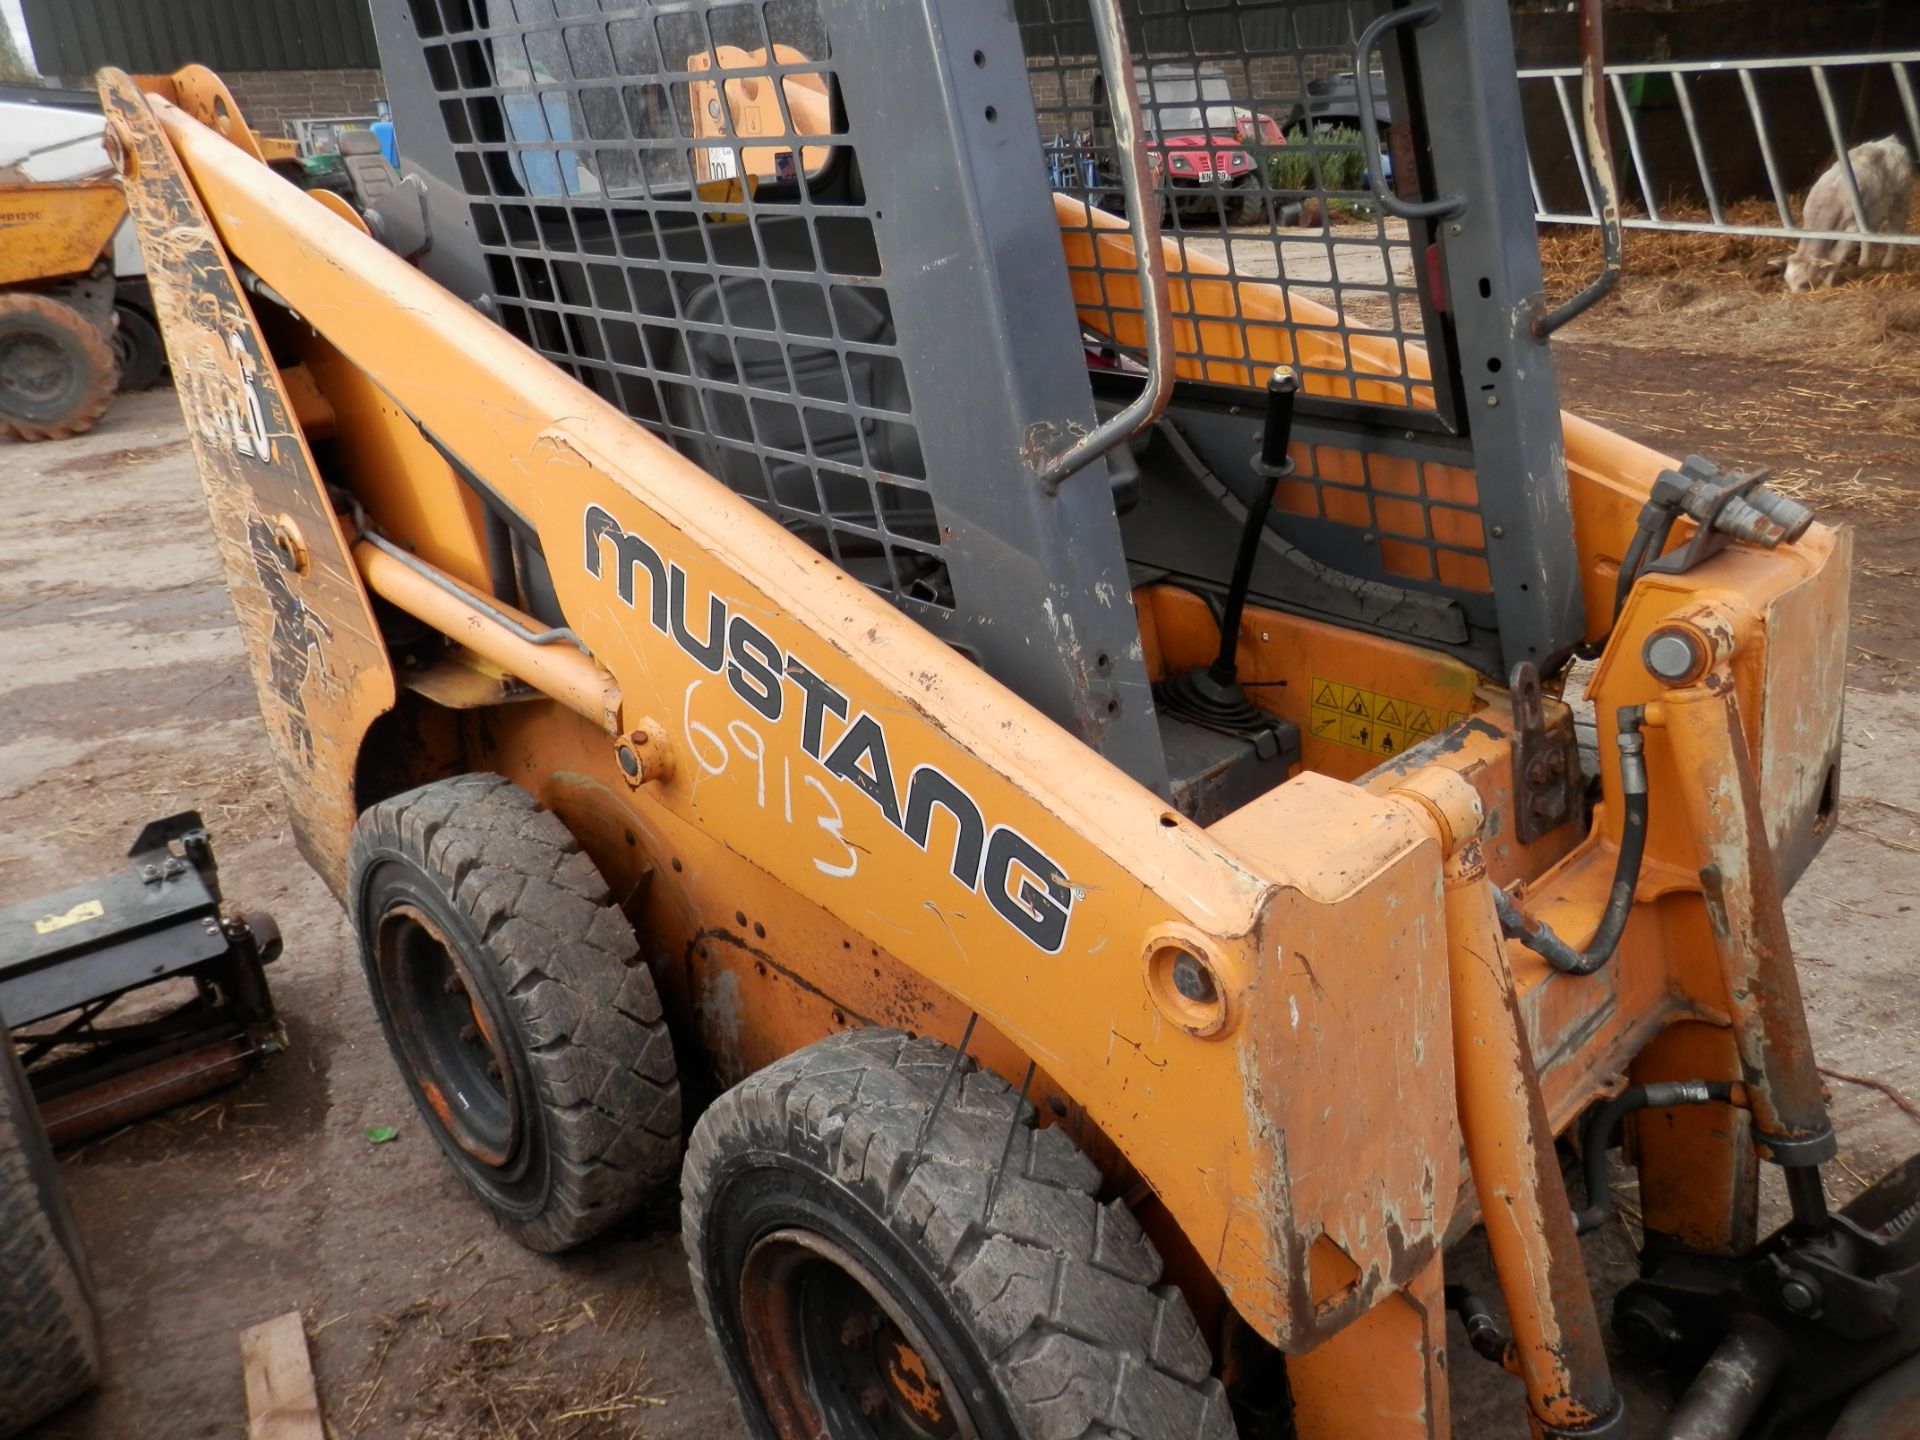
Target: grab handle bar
column 1446, row 206
column 1150, row 265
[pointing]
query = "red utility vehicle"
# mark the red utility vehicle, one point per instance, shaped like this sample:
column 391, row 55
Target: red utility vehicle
column 1198, row 139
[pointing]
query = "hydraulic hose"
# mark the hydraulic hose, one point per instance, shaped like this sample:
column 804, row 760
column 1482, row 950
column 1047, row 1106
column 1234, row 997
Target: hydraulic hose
column 1605, row 1124
column 1283, row 390
column 1537, row 935
column 1484, row 1334
column 1649, row 540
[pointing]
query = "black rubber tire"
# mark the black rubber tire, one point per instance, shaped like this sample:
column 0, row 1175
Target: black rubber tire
column 49, row 1339
column 138, row 348
column 1045, row 1312
column 1245, row 202
column 86, row 375
column 571, row 1005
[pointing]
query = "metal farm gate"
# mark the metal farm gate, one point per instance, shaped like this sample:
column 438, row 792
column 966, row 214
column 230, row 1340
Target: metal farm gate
column 1721, row 145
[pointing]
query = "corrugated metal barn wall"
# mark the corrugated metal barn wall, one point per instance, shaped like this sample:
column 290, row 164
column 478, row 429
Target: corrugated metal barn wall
column 77, row 37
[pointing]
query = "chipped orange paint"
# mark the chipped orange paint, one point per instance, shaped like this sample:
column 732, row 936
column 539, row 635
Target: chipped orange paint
column 1516, row 1172
column 205, row 97
column 550, row 448
column 438, row 1101
column 1382, row 1376
column 319, row 665
column 911, row 1383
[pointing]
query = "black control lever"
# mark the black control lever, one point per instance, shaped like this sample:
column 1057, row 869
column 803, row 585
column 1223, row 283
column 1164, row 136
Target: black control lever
column 1273, row 462
column 1214, row 696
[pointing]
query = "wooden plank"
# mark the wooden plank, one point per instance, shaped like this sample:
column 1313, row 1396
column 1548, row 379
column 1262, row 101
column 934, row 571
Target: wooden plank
column 281, row 1401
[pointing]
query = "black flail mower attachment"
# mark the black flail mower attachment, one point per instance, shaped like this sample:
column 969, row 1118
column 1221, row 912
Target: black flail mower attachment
column 136, row 992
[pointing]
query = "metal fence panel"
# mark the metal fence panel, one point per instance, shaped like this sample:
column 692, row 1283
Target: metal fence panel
column 1726, row 145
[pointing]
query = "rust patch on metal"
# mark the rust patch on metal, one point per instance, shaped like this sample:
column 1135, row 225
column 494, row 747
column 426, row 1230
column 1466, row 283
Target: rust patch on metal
column 123, row 1099
column 1741, row 888
column 913, row 1385
column 437, row 1100
column 1546, row 760
column 1044, row 439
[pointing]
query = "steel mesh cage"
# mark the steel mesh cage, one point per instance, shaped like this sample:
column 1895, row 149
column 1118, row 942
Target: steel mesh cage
column 680, row 202
column 1261, row 177
column 721, row 288
column 1278, row 249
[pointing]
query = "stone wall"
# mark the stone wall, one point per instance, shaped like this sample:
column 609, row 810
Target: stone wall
column 272, row 99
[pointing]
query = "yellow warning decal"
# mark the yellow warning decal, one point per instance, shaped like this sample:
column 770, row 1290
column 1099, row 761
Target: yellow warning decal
column 84, row 911
column 1382, row 725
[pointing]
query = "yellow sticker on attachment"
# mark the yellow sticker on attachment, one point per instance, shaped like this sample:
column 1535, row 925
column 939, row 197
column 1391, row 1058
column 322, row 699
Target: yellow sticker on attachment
column 79, row 914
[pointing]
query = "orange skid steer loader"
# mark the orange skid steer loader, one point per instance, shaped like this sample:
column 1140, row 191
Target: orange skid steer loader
column 1024, row 761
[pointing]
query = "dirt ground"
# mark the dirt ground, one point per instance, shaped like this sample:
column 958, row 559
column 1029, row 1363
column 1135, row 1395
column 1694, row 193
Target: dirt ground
column 123, row 697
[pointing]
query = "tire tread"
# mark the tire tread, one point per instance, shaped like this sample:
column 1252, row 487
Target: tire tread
column 569, row 965
column 1056, row 1287
column 49, row 1344
column 91, row 349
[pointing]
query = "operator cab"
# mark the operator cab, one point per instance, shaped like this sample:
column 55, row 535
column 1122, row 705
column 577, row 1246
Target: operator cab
column 712, row 216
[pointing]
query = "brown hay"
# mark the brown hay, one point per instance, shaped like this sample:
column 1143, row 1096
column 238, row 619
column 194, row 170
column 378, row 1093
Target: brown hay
column 1700, row 292
column 1891, row 320
column 1570, row 254
column 1902, row 417
column 442, row 1370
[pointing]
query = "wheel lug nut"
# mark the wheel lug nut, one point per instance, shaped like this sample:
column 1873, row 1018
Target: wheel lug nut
column 873, row 1402
column 493, row 1069
column 470, row 1032
column 452, row 986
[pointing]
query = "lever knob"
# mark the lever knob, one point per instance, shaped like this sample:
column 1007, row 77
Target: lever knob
column 1282, row 388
